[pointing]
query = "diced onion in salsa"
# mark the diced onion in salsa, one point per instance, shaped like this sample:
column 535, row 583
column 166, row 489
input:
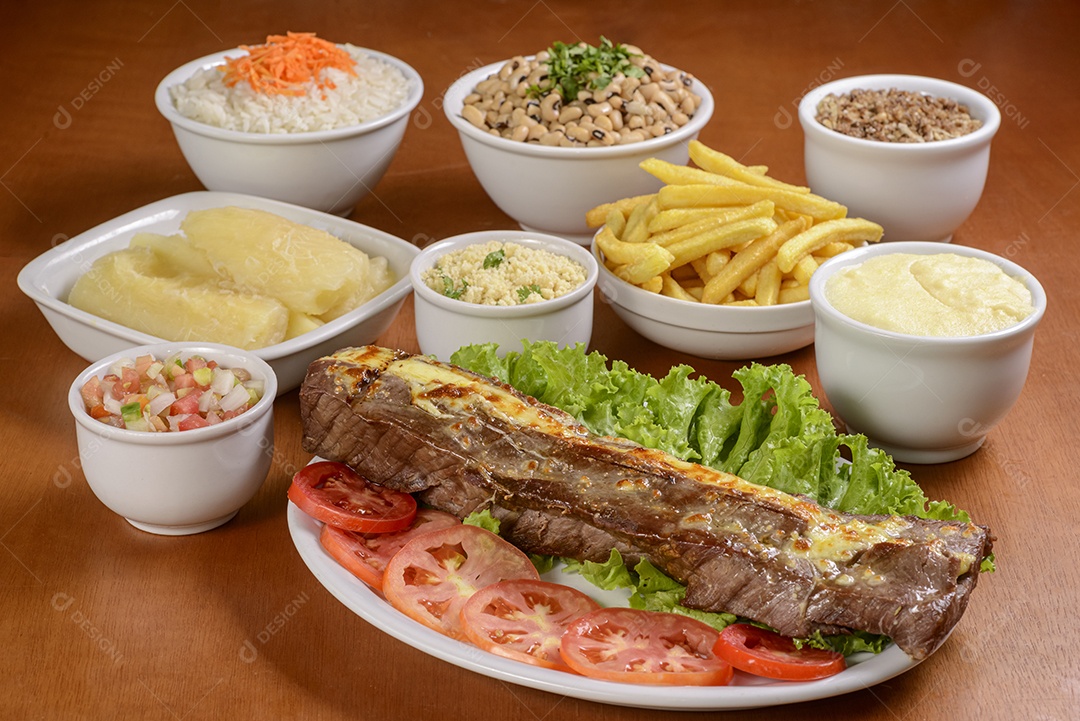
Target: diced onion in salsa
column 145, row 394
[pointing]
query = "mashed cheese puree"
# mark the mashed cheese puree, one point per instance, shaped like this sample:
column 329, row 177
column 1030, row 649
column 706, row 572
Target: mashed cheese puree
column 944, row 295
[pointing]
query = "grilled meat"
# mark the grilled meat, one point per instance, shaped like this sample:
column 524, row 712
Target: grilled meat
column 464, row 442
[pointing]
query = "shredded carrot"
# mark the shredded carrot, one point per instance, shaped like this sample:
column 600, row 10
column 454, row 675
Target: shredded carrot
column 286, row 62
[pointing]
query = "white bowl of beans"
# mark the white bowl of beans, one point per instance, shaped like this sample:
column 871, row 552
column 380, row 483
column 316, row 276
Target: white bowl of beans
column 502, row 287
column 908, row 152
column 156, row 457
column 561, row 158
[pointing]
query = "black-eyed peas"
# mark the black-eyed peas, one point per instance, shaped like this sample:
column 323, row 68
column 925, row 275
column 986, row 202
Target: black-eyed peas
column 518, row 103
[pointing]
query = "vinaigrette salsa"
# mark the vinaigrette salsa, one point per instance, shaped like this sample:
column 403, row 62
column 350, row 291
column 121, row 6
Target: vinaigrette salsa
column 146, row 394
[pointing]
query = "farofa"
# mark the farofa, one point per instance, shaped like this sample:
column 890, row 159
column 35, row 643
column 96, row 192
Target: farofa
column 516, row 274
column 895, row 116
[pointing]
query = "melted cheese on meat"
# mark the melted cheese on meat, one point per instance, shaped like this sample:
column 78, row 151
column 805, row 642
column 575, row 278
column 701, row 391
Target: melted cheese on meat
column 830, row 538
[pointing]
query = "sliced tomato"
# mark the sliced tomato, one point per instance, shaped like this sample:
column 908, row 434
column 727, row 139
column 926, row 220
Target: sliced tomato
column 365, row 555
column 336, row 494
column 766, row 653
column 434, row 574
column 524, row 619
column 634, row 646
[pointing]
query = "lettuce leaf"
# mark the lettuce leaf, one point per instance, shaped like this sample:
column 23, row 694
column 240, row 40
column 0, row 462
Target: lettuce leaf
column 608, row 576
column 483, row 519
column 777, row 436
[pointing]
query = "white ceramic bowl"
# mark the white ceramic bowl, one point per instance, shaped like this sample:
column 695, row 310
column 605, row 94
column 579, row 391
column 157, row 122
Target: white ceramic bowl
column 916, row 191
column 185, row 482
column 549, row 189
column 922, row 399
column 327, row 170
column 707, row 331
column 48, row 279
column 444, row 324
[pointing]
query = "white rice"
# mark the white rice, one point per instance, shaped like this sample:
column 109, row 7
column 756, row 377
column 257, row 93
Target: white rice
column 378, row 89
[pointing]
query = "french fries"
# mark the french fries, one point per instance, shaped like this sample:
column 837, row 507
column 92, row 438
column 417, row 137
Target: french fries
column 841, row 229
column 724, row 233
column 719, row 164
column 633, row 262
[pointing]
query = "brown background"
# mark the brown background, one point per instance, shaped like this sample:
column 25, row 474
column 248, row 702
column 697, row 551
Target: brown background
column 99, row 620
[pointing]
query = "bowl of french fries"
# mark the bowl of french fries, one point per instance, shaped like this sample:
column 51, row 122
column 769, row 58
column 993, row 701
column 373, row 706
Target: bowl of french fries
column 717, row 263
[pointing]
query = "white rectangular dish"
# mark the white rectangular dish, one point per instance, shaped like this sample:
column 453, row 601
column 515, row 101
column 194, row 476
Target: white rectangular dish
column 48, row 280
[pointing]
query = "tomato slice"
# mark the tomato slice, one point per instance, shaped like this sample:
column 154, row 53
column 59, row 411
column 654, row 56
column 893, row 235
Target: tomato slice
column 647, row 647
column 336, row 494
column 434, row 574
column 365, row 555
column 766, row 653
column 524, row 619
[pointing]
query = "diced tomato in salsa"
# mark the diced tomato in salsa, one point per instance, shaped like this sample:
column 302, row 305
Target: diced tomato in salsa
column 92, row 392
column 188, row 404
column 184, row 380
column 143, row 363
column 193, row 421
column 167, row 388
column 129, row 381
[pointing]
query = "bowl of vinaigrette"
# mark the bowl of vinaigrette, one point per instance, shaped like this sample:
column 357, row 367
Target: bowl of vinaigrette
column 175, row 437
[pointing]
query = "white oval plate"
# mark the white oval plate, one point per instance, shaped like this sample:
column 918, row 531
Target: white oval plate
column 746, row 691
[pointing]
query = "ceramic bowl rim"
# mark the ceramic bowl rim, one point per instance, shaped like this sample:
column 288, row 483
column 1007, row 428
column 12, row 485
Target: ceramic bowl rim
column 456, row 92
column 165, row 106
column 429, row 255
column 213, row 351
column 682, row 314
column 981, row 106
column 826, row 270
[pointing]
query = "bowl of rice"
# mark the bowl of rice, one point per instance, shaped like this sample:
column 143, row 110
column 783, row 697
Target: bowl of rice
column 502, row 286
column 318, row 128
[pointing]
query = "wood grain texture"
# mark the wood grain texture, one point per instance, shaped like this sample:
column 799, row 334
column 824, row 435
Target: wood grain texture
column 100, row 620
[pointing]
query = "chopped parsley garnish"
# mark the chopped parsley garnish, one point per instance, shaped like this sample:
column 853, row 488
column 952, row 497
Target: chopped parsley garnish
column 573, row 67
column 526, row 290
column 494, row 259
column 450, row 291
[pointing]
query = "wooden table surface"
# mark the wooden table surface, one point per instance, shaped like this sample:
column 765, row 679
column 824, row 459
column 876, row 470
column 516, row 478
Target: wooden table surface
column 100, row 620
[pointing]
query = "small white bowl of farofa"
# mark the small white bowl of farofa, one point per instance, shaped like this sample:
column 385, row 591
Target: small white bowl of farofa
column 905, row 151
column 502, row 286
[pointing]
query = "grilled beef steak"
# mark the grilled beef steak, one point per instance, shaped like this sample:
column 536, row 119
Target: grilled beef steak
column 464, row 442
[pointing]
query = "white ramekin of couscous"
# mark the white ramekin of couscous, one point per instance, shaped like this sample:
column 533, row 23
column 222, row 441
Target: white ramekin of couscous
column 502, row 286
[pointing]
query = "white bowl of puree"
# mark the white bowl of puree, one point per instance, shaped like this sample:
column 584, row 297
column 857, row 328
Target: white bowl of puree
column 924, row 348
